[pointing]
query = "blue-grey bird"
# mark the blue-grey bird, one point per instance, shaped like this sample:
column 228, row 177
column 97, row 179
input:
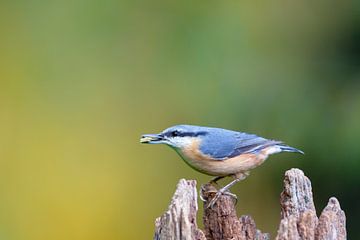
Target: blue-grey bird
column 218, row 152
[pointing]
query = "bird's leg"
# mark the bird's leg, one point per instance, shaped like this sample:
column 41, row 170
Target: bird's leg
column 215, row 179
column 212, row 182
column 214, row 191
column 238, row 177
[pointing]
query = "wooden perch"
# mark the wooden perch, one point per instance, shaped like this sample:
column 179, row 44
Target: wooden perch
column 221, row 221
column 298, row 215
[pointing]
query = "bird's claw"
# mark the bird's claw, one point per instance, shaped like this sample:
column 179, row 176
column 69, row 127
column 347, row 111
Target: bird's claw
column 217, row 196
column 202, row 197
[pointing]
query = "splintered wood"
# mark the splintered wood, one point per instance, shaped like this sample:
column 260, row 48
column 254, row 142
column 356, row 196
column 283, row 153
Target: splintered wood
column 179, row 221
column 298, row 215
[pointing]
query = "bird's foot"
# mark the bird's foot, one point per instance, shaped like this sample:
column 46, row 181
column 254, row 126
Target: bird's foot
column 205, row 189
column 238, row 177
column 217, row 196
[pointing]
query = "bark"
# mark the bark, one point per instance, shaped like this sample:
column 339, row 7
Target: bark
column 298, row 215
column 221, row 221
column 298, row 212
column 331, row 222
column 179, row 222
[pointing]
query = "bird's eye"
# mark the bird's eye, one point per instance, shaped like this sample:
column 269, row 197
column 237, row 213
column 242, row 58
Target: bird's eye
column 175, row 133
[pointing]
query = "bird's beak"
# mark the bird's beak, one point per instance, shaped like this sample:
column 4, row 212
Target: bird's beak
column 151, row 138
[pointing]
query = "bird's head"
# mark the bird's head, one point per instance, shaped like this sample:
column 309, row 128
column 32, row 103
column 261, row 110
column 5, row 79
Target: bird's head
column 179, row 136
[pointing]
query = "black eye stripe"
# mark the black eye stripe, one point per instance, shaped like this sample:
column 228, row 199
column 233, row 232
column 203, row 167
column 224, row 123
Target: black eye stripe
column 177, row 133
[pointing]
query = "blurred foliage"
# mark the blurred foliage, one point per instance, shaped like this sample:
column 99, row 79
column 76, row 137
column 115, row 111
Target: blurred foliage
column 80, row 81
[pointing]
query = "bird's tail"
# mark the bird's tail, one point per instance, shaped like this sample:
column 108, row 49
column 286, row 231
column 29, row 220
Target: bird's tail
column 286, row 148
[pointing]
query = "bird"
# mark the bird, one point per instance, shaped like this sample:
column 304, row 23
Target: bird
column 218, row 152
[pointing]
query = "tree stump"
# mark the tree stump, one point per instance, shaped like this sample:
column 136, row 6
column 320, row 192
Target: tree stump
column 179, row 222
column 221, row 221
column 298, row 215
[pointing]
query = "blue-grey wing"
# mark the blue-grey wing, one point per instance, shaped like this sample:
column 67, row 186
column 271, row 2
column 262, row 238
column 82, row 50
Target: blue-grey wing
column 224, row 145
column 250, row 143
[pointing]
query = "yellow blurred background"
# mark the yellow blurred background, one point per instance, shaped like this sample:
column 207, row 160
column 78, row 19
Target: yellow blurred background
column 80, row 81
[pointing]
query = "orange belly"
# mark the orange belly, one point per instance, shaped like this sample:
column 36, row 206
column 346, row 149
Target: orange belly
column 205, row 164
column 231, row 166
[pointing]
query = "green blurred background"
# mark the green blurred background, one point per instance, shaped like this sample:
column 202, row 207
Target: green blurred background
column 82, row 80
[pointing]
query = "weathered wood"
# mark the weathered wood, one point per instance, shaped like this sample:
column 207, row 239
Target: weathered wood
column 299, row 220
column 179, row 222
column 298, row 215
column 221, row 221
column 331, row 222
column 298, row 212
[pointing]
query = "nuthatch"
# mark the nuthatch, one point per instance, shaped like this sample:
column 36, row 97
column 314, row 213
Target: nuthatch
column 218, row 152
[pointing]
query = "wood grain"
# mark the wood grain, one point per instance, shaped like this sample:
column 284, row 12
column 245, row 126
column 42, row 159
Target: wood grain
column 297, row 210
